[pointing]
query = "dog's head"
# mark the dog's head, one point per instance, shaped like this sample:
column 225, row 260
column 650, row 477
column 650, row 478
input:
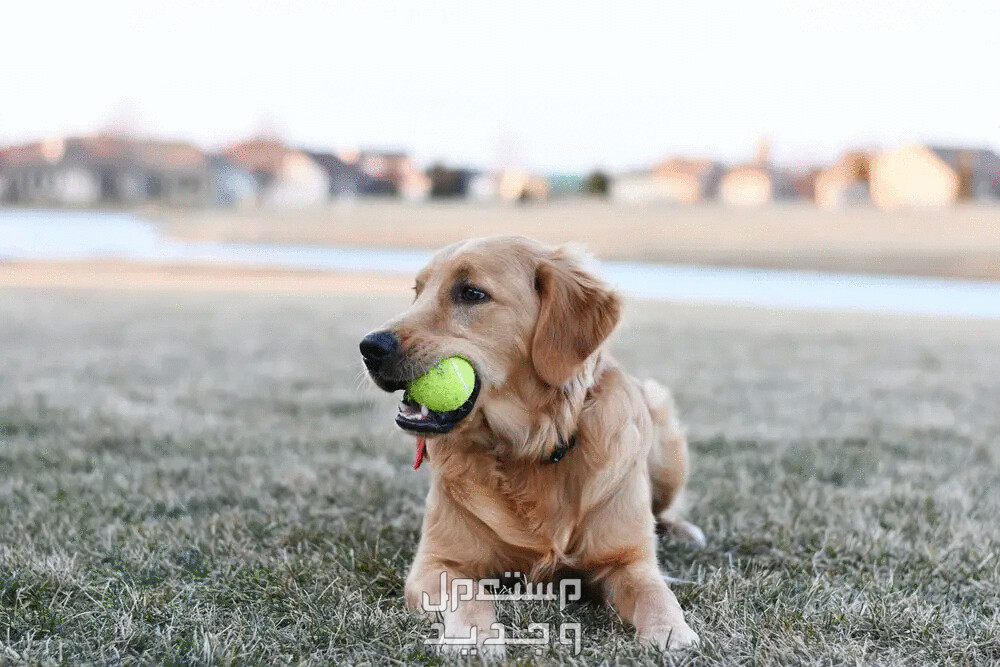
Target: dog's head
column 526, row 316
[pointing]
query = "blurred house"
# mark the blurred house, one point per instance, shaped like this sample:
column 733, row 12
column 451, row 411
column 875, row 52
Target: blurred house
column 759, row 182
column 846, row 182
column 231, row 184
column 344, row 179
column 920, row 175
column 520, row 185
column 175, row 173
column 392, row 173
column 484, row 187
column 689, row 180
column 285, row 177
column 41, row 173
column 297, row 182
column 293, row 177
column 261, row 156
column 803, row 183
column 639, row 187
column 978, row 171
column 756, row 185
column 105, row 169
column 677, row 180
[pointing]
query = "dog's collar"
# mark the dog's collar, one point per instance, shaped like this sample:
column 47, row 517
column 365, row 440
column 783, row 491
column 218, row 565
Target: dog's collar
column 559, row 453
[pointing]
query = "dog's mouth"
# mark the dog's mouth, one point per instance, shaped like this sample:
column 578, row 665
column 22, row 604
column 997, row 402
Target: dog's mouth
column 420, row 419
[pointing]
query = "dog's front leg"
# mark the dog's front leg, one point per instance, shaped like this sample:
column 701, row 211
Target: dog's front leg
column 452, row 599
column 640, row 596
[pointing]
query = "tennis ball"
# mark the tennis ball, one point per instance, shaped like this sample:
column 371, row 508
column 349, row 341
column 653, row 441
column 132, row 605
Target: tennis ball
column 446, row 386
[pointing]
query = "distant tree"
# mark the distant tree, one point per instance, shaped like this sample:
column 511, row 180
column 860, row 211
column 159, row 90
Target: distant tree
column 597, row 184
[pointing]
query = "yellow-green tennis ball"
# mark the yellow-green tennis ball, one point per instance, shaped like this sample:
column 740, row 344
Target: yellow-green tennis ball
column 446, row 386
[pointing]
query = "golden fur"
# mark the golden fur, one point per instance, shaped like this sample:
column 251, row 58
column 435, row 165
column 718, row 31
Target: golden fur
column 494, row 506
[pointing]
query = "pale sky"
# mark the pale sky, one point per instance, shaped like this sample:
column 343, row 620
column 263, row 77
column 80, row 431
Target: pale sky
column 560, row 86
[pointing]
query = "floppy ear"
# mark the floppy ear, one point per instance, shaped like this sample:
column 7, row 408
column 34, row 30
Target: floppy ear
column 578, row 312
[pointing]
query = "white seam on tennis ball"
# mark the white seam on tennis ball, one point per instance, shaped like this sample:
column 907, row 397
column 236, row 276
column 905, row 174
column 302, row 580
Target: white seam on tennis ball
column 458, row 371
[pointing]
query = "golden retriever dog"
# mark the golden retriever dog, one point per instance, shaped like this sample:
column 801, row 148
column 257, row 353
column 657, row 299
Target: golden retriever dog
column 560, row 463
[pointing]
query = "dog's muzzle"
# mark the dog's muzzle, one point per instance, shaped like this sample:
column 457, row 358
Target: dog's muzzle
column 381, row 353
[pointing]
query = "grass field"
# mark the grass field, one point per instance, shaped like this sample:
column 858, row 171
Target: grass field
column 203, row 477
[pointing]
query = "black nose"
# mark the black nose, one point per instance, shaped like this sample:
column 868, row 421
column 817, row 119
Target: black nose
column 378, row 345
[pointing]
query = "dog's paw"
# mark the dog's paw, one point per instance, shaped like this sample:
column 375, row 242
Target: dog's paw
column 690, row 533
column 683, row 531
column 670, row 637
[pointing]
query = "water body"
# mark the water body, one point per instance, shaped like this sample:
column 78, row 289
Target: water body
column 62, row 235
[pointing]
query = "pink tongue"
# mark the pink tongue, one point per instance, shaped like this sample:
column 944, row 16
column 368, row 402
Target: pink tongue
column 421, row 451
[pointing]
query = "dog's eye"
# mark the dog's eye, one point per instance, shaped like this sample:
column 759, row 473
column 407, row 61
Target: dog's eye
column 470, row 294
